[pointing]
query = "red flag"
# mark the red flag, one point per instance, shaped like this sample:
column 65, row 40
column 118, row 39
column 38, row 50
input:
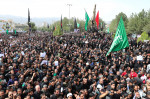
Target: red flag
column 97, row 19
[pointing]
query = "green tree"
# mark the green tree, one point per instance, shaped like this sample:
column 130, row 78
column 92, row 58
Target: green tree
column 33, row 27
column 142, row 21
column 113, row 26
column 114, row 22
column 137, row 22
column 144, row 36
column 124, row 17
column 132, row 24
column 58, row 31
column 65, row 25
column 146, row 28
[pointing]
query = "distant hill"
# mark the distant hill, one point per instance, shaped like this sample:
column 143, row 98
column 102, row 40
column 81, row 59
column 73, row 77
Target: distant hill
column 23, row 20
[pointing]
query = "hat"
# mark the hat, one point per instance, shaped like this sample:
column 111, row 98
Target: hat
column 10, row 67
column 99, row 86
column 54, row 74
column 22, row 64
column 128, row 79
column 44, row 78
column 44, row 86
column 69, row 94
column 87, row 63
column 100, row 76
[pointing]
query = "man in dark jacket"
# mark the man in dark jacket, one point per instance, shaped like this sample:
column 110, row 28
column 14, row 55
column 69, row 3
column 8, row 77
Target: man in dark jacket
column 56, row 94
column 37, row 92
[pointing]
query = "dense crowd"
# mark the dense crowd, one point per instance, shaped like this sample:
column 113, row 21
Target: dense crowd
column 73, row 66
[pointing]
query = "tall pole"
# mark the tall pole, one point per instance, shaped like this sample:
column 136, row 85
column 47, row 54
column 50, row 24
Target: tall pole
column 29, row 22
column 69, row 15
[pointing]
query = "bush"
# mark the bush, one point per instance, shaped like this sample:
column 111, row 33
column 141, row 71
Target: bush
column 144, row 36
column 58, row 31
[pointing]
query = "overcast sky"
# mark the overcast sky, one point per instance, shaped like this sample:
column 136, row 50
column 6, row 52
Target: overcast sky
column 108, row 9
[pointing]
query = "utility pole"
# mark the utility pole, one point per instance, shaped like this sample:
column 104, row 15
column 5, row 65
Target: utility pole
column 69, row 15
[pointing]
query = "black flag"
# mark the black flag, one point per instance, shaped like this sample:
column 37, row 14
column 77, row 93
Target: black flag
column 53, row 28
column 61, row 22
column 48, row 26
column 75, row 24
column 28, row 17
column 101, row 26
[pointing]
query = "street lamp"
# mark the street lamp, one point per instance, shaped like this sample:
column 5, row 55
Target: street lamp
column 69, row 15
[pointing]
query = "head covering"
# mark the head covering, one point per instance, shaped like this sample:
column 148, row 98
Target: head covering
column 101, row 76
column 10, row 67
column 87, row 64
column 44, row 86
column 54, row 74
column 69, row 94
column 99, row 86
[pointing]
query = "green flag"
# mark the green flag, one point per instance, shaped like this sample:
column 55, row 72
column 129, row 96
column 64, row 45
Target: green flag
column 108, row 30
column 15, row 31
column 7, row 31
column 120, row 41
column 78, row 25
column 86, row 20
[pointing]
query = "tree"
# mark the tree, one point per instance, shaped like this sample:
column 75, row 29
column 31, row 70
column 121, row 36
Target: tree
column 65, row 22
column 101, row 22
column 147, row 28
column 58, row 31
column 33, row 27
column 144, row 36
column 114, row 22
column 142, row 21
column 137, row 22
column 132, row 24
column 124, row 17
column 113, row 26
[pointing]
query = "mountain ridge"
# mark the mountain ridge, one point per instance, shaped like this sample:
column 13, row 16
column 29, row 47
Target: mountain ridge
column 23, row 20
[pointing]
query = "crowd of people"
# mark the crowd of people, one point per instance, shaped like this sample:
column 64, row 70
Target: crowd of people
column 72, row 66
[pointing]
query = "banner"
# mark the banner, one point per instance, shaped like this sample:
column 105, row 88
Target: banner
column 120, row 41
column 4, row 26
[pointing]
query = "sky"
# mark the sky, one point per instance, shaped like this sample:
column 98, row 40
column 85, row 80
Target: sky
column 108, row 9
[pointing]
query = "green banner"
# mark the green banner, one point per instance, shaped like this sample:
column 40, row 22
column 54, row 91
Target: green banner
column 120, row 41
column 86, row 20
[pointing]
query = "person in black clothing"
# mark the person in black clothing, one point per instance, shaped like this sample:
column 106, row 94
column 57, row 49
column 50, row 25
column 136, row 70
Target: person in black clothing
column 71, row 63
column 85, row 84
column 45, row 90
column 51, row 87
column 37, row 93
column 56, row 94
